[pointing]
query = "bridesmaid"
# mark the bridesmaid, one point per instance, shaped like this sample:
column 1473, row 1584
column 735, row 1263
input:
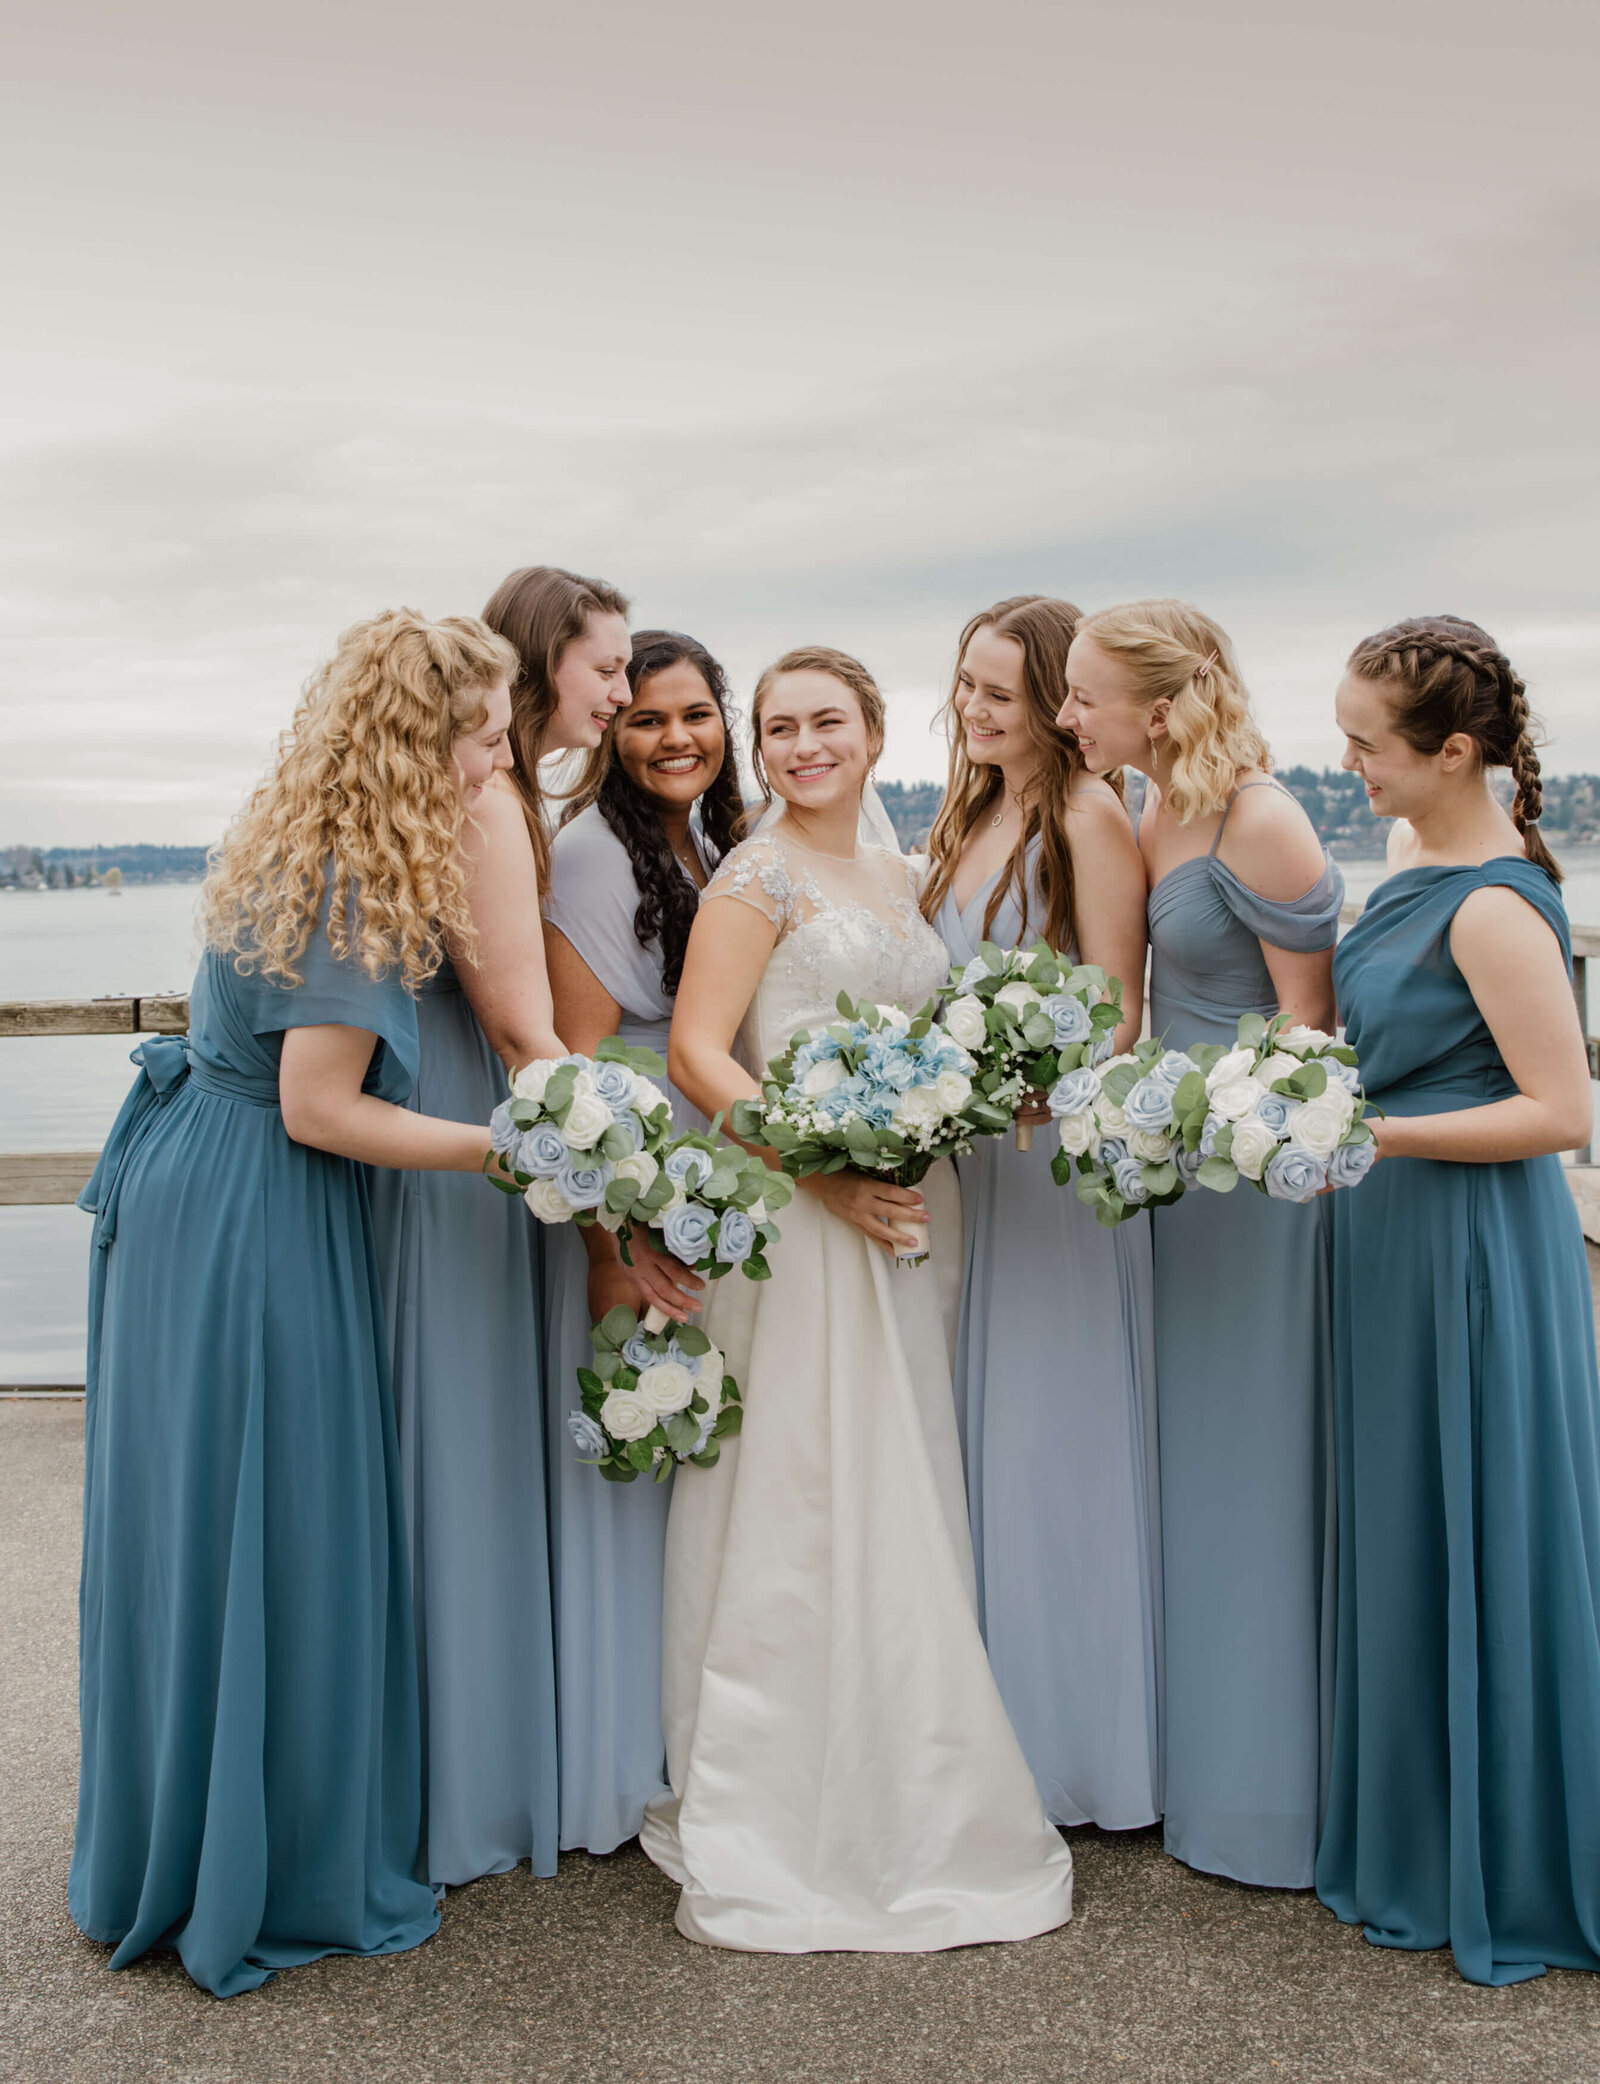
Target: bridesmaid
column 653, row 815
column 1244, row 911
column 1465, row 1799
column 461, row 1281
column 250, row 1778
column 1054, row 1373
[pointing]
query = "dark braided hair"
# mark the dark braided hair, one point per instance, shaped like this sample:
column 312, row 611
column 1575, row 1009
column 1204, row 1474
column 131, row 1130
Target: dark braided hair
column 1445, row 674
column 667, row 899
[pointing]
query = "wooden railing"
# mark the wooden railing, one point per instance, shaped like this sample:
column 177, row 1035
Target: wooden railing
column 41, row 1179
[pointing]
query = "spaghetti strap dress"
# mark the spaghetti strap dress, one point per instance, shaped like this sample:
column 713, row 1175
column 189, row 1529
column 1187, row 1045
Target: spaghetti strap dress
column 1244, row 1366
column 1465, row 1798
column 1056, row 1402
column 607, row 1540
column 250, row 1783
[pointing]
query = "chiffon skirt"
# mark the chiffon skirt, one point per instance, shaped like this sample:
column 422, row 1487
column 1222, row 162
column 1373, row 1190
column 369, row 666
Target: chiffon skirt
column 461, row 1271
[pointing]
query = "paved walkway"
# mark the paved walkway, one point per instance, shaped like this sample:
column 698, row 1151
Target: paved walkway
column 1163, row 1977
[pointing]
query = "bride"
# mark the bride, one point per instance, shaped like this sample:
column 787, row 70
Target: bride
column 843, row 1773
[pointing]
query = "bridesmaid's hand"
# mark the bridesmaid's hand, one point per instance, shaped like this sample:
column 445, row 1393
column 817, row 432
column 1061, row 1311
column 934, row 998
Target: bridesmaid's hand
column 872, row 1205
column 656, row 1277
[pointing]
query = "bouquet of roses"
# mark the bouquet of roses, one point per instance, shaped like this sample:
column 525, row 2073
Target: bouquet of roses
column 580, row 1136
column 879, row 1089
column 1283, row 1109
column 652, row 1399
column 710, row 1205
column 1025, row 1016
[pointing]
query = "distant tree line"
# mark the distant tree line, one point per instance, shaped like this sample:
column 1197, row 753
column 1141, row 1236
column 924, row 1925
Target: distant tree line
column 68, row 868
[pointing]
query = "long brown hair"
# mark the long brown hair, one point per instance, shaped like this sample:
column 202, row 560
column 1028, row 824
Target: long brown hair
column 539, row 610
column 811, row 658
column 1443, row 674
column 1045, row 629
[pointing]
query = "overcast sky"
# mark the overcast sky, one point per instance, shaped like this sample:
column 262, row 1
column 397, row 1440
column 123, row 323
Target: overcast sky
column 821, row 323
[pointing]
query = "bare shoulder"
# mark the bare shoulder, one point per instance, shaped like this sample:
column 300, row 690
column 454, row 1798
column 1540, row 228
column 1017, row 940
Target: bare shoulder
column 1270, row 844
column 1097, row 819
column 495, row 838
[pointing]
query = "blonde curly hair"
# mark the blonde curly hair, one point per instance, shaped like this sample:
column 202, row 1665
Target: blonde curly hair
column 1182, row 657
column 364, row 802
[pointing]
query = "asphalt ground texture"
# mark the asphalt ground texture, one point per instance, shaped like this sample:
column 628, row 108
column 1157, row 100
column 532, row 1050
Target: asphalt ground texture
column 1164, row 1976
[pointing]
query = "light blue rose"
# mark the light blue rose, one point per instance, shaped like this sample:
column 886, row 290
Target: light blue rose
column 1128, row 1174
column 1072, row 1093
column 689, row 1167
column 1351, row 1163
column 1295, row 1175
column 974, row 973
column 1188, row 1164
column 1347, row 1075
column 631, row 1126
column 1069, row 1017
column 587, row 1437
column 614, row 1084
column 1149, row 1105
column 1112, row 1151
column 687, row 1232
column 1171, row 1070
column 639, row 1353
column 1277, row 1110
column 1214, row 1126
column 1103, row 1046
column 707, row 1421
column 691, row 1363
column 736, row 1237
column 583, row 1186
column 504, row 1135
column 542, row 1152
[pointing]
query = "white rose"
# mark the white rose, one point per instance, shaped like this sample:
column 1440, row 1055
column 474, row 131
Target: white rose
column 822, row 1077
column 1111, row 1062
column 1253, row 1144
column 609, row 1219
column 954, row 1090
column 1020, row 996
column 1080, row 1134
column 1301, row 1041
column 1341, row 1097
column 919, row 1109
column 1150, row 1144
column 666, row 1387
column 1109, row 1115
column 1236, row 1099
column 896, row 1021
column 640, row 1167
column 626, row 1416
column 531, row 1080
column 647, row 1096
column 1228, row 1070
column 1319, row 1126
column 548, row 1202
column 1282, row 1065
column 587, row 1121
column 713, row 1366
column 964, row 1023
column 757, row 1212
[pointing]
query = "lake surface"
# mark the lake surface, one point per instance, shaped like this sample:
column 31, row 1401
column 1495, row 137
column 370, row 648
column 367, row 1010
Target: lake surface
column 63, row 1094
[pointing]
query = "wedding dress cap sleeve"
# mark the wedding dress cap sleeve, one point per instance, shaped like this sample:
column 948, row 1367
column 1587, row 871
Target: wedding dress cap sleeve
column 758, row 874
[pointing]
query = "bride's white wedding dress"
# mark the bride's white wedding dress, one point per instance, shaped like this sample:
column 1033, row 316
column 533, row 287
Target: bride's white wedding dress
column 843, row 1773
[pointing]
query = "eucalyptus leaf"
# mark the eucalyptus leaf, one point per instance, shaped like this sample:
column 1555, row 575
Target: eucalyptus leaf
column 1190, row 1093
column 1252, row 1030
column 1219, row 1175
column 639, row 1453
column 1159, row 1179
column 682, row 1432
column 617, row 1326
column 617, row 1472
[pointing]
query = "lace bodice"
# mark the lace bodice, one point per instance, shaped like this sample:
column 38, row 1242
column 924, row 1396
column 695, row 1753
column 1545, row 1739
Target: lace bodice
column 843, row 925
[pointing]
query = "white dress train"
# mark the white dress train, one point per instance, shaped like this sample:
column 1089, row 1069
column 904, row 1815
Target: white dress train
column 843, row 1773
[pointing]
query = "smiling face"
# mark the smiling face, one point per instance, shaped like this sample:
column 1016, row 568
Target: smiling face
column 990, row 702
column 670, row 738
column 1104, row 710
column 1400, row 782
column 815, row 743
column 476, row 755
column 591, row 684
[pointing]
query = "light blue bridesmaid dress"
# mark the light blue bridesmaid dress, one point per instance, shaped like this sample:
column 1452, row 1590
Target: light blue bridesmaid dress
column 1055, row 1397
column 1243, row 1364
column 460, row 1267
column 607, row 1539
column 250, row 1776
column 1465, row 1796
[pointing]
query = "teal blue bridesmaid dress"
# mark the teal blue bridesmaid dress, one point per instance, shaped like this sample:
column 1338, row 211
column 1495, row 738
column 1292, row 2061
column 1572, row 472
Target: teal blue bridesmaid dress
column 460, row 1269
column 1244, row 1372
column 1464, row 1804
column 1055, row 1396
column 250, row 1785
column 607, row 1540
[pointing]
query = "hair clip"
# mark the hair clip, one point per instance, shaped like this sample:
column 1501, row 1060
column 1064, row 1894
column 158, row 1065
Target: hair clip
column 1205, row 666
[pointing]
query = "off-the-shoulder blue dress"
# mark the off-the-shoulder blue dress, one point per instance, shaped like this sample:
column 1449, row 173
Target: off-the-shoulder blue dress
column 1464, row 1805
column 1055, row 1397
column 250, row 1786
column 1243, row 1367
column 607, row 1540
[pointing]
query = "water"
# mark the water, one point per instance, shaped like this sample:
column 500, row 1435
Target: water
column 64, row 1094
